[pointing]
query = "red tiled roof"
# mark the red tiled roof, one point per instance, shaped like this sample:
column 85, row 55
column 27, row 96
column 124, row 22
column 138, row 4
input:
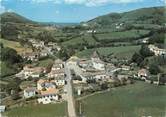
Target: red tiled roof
column 49, row 91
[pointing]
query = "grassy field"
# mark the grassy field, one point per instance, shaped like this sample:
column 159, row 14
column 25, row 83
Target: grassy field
column 75, row 41
column 15, row 45
column 45, row 62
column 50, row 110
column 5, row 70
column 86, row 39
column 130, row 34
column 147, row 26
column 135, row 100
column 119, row 52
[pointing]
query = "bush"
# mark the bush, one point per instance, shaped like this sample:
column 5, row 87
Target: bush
column 145, row 52
column 104, row 86
column 154, row 69
column 77, row 78
column 89, row 81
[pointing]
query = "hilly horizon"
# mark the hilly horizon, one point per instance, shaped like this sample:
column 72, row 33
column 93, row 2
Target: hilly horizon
column 151, row 15
column 17, row 18
column 14, row 17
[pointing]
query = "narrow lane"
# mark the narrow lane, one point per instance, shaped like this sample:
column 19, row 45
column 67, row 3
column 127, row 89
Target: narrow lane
column 70, row 100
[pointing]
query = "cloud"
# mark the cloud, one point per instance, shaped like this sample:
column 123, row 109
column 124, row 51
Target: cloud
column 164, row 1
column 99, row 2
column 42, row 1
column 88, row 3
column 2, row 9
column 75, row 1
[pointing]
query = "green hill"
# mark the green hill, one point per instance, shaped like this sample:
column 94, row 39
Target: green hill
column 153, row 15
column 14, row 18
column 15, row 27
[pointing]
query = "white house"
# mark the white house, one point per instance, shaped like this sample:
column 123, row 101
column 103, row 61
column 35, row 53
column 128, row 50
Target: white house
column 51, row 44
column 48, row 96
column 29, row 92
column 33, row 56
column 157, row 51
column 125, row 67
column 37, row 44
column 58, row 64
column 97, row 63
column 90, row 31
column 43, row 53
column 60, row 81
column 56, row 73
column 45, row 84
column 34, row 72
column 143, row 74
column 84, row 63
column 2, row 108
column 97, row 75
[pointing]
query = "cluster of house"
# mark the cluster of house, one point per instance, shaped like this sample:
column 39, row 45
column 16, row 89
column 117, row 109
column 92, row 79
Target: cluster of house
column 157, row 51
column 91, row 31
column 119, row 25
column 41, row 50
column 97, row 69
column 47, row 90
column 144, row 74
column 31, row 71
column 93, row 69
column 32, row 56
column 57, row 72
column 100, row 71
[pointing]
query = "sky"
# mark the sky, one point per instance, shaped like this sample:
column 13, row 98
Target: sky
column 72, row 11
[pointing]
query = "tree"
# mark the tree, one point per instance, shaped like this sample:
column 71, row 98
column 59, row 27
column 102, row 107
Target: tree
column 137, row 58
column 77, row 78
column 1, row 45
column 157, row 37
column 154, row 69
column 45, row 36
column 10, row 55
column 162, row 79
column 89, row 81
column 104, row 86
column 15, row 95
column 145, row 52
column 13, row 85
column 62, row 54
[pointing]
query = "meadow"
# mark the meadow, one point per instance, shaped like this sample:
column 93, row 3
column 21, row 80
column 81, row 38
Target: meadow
column 46, row 62
column 119, row 52
column 123, row 36
column 5, row 70
column 81, row 40
column 49, row 110
column 136, row 100
column 15, row 45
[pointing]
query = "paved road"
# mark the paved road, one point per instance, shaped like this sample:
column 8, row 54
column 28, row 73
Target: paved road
column 76, row 68
column 71, row 107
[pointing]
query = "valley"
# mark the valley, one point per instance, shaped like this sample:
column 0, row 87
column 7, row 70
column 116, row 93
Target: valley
column 112, row 65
